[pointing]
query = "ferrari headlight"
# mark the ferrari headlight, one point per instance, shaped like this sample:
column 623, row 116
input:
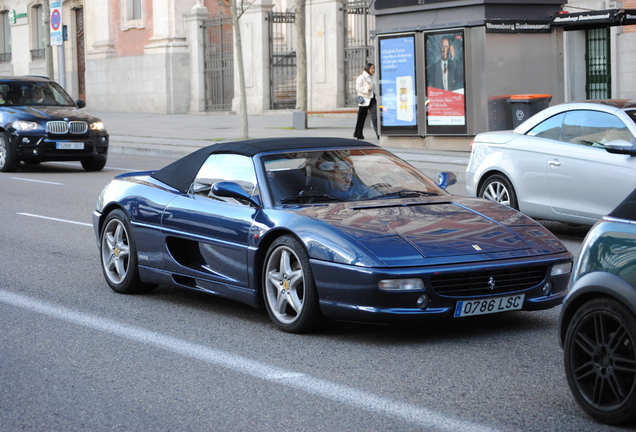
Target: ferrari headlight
column 414, row 284
column 97, row 126
column 22, row 125
column 561, row 269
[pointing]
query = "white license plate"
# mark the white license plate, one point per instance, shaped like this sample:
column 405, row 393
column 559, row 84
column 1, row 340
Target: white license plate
column 65, row 145
column 489, row 306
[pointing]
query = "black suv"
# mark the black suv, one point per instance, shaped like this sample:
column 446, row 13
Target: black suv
column 40, row 122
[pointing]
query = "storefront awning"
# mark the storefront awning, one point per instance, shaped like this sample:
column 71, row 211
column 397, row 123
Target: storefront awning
column 593, row 19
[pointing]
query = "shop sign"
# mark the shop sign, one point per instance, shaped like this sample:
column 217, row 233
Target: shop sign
column 512, row 26
column 17, row 18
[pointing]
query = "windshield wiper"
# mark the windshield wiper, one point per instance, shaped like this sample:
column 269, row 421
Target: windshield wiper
column 406, row 193
column 308, row 199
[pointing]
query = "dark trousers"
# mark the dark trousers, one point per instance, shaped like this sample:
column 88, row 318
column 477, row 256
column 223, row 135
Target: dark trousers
column 362, row 116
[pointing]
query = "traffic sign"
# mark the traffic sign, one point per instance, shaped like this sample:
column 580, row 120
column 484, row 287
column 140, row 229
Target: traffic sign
column 57, row 37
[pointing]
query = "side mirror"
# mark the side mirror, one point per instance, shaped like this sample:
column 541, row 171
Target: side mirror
column 446, row 179
column 620, row 146
column 81, row 103
column 233, row 190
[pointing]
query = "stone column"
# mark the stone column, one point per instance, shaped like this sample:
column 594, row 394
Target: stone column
column 255, row 38
column 99, row 36
column 196, row 39
column 169, row 33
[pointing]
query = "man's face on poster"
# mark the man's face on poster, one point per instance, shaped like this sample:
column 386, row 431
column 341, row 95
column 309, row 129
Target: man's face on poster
column 445, row 48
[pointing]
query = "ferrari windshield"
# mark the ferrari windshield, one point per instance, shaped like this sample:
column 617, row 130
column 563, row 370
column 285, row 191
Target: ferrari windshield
column 343, row 175
column 18, row 93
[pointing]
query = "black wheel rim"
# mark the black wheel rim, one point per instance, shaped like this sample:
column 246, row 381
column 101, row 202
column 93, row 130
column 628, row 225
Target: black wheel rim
column 603, row 361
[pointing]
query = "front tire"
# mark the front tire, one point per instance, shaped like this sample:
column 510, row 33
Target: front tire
column 93, row 165
column 118, row 255
column 7, row 163
column 600, row 360
column 498, row 188
column 289, row 289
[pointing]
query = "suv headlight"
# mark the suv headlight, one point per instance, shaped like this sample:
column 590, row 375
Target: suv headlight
column 96, row 126
column 22, row 125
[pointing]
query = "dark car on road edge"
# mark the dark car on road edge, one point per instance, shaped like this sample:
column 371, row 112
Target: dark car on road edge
column 597, row 327
column 39, row 122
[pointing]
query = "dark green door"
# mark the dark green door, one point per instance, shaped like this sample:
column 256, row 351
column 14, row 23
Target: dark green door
column 598, row 83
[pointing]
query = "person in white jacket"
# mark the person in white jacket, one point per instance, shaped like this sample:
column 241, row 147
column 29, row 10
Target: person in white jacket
column 367, row 103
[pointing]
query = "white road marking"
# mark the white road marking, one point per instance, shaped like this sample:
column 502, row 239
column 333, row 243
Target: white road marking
column 37, row 181
column 316, row 386
column 76, row 164
column 56, row 219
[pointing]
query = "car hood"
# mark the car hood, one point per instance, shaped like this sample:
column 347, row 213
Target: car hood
column 400, row 232
column 50, row 112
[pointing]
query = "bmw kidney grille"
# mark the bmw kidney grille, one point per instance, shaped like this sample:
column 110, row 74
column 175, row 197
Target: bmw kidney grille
column 62, row 127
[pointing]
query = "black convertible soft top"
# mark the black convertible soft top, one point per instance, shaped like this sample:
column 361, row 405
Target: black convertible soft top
column 181, row 173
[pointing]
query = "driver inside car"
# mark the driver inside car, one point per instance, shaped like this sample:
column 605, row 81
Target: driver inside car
column 339, row 173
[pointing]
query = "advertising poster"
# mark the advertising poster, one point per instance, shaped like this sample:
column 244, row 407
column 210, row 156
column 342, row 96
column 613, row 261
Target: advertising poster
column 445, row 83
column 398, row 95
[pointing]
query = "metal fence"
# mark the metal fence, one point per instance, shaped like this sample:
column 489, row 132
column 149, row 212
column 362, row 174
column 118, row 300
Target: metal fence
column 358, row 47
column 219, row 63
column 282, row 41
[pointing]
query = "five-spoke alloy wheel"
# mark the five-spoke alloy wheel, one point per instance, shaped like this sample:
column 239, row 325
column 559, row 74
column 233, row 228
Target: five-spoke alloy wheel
column 119, row 255
column 289, row 289
column 600, row 360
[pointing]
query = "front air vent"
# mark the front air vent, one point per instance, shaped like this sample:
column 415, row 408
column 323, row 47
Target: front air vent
column 62, row 127
column 496, row 281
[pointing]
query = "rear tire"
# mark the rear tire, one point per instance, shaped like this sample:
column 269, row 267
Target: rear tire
column 7, row 163
column 498, row 188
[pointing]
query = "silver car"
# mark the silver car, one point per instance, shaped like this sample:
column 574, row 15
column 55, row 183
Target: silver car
column 572, row 162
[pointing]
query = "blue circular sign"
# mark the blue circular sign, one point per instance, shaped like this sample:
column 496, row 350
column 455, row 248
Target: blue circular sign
column 56, row 19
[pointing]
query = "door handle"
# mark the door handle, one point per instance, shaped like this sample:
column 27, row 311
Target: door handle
column 554, row 163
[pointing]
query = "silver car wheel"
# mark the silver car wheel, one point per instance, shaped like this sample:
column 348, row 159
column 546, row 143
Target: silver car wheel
column 289, row 289
column 499, row 189
column 7, row 164
column 285, row 285
column 3, row 152
column 497, row 192
column 115, row 251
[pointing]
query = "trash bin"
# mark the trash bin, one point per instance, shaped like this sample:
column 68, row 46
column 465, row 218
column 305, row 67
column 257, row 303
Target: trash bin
column 525, row 106
column 499, row 114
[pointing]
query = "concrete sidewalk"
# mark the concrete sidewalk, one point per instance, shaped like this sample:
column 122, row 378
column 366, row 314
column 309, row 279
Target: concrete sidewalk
column 175, row 135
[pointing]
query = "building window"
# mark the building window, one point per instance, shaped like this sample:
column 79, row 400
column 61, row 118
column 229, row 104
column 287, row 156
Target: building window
column 5, row 37
column 132, row 15
column 136, row 9
column 38, row 43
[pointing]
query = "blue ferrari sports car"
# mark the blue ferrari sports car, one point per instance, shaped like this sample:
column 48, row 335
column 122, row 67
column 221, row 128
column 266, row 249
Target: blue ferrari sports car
column 316, row 228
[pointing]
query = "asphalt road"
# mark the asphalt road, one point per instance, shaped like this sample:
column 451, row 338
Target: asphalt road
column 75, row 356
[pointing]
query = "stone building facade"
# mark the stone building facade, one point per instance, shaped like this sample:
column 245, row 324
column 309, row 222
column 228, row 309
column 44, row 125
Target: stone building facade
column 150, row 55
